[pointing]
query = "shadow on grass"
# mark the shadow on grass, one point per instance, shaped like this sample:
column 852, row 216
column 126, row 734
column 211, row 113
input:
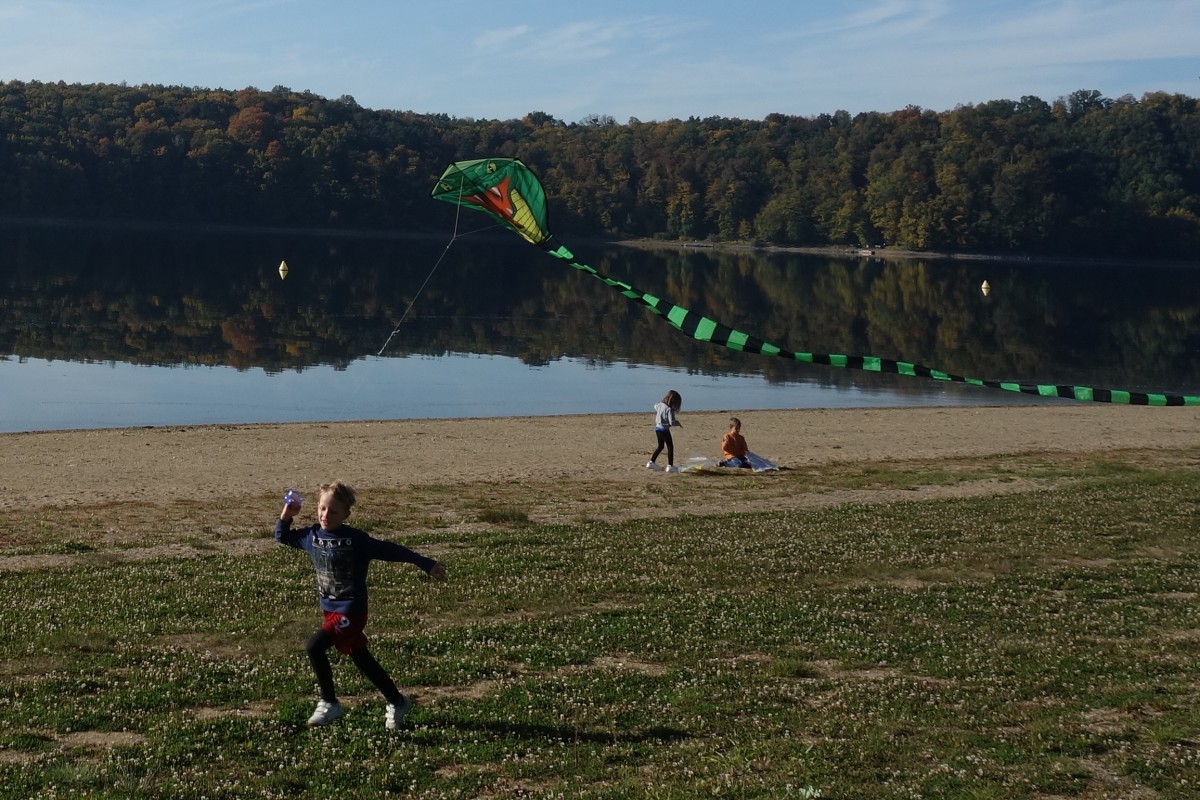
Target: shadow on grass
column 430, row 733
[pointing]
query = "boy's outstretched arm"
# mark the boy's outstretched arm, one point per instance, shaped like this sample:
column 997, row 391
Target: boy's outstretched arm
column 284, row 534
column 394, row 551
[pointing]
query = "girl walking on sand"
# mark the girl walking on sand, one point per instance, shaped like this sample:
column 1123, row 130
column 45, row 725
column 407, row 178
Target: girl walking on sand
column 666, row 417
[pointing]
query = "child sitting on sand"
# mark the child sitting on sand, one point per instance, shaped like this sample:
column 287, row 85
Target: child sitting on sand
column 734, row 450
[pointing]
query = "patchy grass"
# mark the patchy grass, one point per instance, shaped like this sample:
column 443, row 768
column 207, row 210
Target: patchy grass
column 504, row 516
column 910, row 630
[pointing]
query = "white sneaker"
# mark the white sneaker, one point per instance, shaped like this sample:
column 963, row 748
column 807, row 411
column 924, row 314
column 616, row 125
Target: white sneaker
column 652, row 465
column 673, row 469
column 395, row 714
column 325, row 714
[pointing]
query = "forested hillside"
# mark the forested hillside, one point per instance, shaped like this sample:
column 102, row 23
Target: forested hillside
column 1082, row 175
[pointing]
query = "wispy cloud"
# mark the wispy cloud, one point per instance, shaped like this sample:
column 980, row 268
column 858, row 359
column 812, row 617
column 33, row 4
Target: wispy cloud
column 572, row 42
column 496, row 40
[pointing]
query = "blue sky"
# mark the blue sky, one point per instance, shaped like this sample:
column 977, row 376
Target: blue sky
column 649, row 60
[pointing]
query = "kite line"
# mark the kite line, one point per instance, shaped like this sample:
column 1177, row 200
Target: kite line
column 453, row 236
column 508, row 191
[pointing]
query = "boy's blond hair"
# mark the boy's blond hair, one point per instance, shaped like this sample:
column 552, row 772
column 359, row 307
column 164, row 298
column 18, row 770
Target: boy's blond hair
column 342, row 492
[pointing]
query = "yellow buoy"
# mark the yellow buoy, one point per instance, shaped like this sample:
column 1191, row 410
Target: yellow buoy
column 283, row 270
column 986, row 288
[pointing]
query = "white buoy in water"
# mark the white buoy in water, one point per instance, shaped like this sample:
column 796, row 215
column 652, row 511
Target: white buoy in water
column 986, row 288
column 283, row 271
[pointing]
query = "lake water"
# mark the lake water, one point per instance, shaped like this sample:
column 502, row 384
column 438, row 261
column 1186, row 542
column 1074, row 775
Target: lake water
column 108, row 328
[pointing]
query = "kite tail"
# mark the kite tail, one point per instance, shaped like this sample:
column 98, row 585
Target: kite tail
column 508, row 191
column 704, row 329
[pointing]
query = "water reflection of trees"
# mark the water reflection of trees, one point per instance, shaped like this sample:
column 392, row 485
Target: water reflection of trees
column 169, row 299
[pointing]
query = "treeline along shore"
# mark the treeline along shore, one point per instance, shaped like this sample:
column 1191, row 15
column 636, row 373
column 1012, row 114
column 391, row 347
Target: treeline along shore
column 1081, row 175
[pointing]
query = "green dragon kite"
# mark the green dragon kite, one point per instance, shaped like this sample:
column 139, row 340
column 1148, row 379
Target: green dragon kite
column 507, row 190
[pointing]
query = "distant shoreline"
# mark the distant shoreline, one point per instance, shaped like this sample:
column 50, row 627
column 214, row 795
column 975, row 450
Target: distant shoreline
column 900, row 254
column 831, row 251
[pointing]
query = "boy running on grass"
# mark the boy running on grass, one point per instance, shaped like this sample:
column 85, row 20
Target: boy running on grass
column 340, row 555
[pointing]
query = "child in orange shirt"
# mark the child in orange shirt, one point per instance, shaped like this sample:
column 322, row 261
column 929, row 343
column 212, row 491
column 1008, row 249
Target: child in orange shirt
column 733, row 446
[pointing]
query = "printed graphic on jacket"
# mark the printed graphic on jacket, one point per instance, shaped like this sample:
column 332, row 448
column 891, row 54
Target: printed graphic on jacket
column 334, row 562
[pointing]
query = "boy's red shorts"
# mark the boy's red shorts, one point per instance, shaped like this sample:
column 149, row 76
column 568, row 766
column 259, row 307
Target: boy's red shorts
column 346, row 630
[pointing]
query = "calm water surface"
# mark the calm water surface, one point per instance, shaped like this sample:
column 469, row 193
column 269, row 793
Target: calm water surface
column 53, row 395
column 124, row 329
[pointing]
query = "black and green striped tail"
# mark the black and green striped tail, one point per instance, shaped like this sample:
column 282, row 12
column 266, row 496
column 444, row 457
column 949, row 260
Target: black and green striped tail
column 509, row 192
column 704, row 329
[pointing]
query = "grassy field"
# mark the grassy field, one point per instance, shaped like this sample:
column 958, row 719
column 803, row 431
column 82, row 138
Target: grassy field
column 1036, row 639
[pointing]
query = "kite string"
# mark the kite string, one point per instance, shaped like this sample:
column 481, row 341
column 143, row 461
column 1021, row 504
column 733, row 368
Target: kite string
column 413, row 302
column 436, row 264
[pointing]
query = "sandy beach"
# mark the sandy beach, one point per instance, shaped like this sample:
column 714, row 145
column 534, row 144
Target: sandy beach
column 190, row 465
